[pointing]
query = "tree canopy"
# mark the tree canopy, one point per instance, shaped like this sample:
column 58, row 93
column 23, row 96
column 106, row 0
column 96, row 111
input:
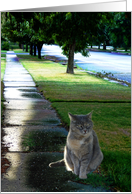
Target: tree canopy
column 73, row 31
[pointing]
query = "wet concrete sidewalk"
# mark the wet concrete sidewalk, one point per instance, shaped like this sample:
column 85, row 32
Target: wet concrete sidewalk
column 34, row 137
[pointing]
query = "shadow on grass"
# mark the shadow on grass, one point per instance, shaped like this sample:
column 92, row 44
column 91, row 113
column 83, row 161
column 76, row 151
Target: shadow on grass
column 30, row 58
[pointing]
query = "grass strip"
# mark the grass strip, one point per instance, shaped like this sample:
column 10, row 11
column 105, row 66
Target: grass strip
column 57, row 85
column 3, row 55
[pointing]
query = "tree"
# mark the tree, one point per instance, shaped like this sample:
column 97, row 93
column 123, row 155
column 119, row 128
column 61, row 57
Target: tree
column 40, row 31
column 73, row 31
column 104, row 27
column 16, row 28
column 121, row 30
column 27, row 28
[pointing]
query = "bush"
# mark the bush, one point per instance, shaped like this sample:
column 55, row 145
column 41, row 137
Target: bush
column 5, row 46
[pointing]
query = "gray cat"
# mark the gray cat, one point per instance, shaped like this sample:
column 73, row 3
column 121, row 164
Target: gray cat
column 82, row 153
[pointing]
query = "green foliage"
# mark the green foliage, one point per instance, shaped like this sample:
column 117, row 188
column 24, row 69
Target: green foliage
column 120, row 32
column 74, row 26
column 5, row 45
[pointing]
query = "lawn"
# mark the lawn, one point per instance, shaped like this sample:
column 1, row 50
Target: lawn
column 3, row 65
column 79, row 94
column 56, row 85
column 19, row 51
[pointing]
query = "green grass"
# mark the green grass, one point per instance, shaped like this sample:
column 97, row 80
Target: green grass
column 79, row 94
column 116, row 173
column 3, row 66
column 112, row 121
column 59, row 86
column 3, row 51
column 19, row 51
column 3, row 55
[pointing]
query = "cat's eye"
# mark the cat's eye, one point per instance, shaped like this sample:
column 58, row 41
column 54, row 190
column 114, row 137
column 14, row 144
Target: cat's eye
column 79, row 126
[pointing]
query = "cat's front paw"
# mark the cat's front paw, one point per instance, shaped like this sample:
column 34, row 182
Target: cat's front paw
column 76, row 172
column 83, row 176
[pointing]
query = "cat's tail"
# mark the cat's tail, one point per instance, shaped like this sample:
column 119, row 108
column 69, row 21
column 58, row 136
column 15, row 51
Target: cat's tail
column 57, row 164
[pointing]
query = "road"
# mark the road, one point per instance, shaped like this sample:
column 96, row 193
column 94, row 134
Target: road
column 117, row 64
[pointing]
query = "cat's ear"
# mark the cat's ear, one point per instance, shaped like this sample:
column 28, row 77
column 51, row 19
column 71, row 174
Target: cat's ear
column 72, row 117
column 90, row 114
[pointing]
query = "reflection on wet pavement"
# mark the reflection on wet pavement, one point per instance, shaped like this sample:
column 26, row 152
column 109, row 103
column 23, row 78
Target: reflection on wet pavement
column 45, row 179
column 44, row 140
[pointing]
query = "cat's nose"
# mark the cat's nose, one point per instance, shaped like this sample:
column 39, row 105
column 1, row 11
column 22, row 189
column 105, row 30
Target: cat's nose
column 85, row 131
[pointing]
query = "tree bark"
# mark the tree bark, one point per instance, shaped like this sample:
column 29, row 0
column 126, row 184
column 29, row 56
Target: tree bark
column 70, row 66
column 26, row 47
column 39, row 46
column 104, row 46
column 34, row 49
column 126, row 49
column 31, row 49
column 22, row 47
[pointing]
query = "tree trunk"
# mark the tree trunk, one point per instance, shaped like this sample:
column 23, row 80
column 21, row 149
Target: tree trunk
column 70, row 66
column 26, row 47
column 114, row 48
column 99, row 47
column 23, row 47
column 31, row 49
column 104, row 46
column 34, row 49
column 39, row 46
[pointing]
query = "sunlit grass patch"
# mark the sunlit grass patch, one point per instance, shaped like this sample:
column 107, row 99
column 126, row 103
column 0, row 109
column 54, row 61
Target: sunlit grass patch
column 18, row 51
column 3, row 66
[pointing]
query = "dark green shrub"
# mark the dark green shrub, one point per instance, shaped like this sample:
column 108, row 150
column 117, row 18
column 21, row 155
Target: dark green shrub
column 5, row 46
